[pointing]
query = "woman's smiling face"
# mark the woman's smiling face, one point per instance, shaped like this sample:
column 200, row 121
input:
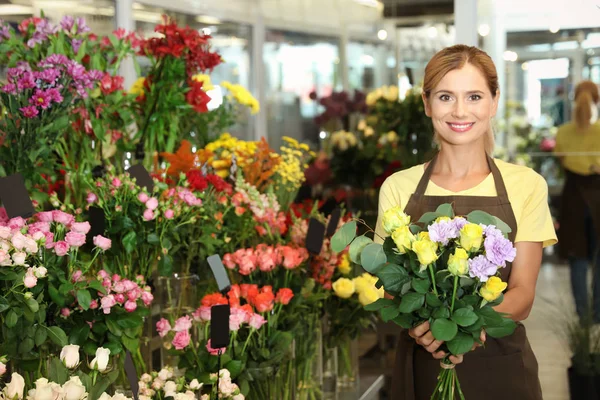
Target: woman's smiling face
column 461, row 106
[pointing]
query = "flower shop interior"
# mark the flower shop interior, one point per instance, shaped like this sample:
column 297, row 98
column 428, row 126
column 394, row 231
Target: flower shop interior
column 176, row 227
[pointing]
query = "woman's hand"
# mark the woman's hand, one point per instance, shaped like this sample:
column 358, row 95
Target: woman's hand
column 424, row 337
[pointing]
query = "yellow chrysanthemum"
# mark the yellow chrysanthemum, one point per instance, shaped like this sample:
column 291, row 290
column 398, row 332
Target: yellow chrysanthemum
column 242, row 96
column 138, row 87
column 205, row 79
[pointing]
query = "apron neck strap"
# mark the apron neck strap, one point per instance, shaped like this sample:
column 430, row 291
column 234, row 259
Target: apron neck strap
column 498, row 181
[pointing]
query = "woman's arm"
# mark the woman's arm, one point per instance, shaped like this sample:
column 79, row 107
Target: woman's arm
column 518, row 299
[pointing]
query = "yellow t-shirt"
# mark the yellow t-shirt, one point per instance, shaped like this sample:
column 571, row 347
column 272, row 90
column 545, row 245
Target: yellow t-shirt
column 527, row 191
column 570, row 139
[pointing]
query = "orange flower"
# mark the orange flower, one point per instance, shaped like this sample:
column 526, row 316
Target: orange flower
column 182, row 160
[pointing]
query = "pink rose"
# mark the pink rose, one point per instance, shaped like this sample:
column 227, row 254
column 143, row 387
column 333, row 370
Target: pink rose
column 18, row 241
column 130, row 306
column 248, row 262
column 45, row 216
column 5, row 259
column 116, row 278
column 65, row 312
column 62, row 217
column 40, row 226
column 133, row 295
column 181, row 340
column 257, row 321
column 91, row 198
column 2, row 368
column 183, row 324
column 19, row 258
column 202, row 314
column 61, row 248
column 148, row 215
column 102, row 242
column 147, row 298
column 107, row 283
column 163, row 327
column 76, row 276
column 102, row 274
column 75, row 239
column 31, row 245
column 235, row 320
column 152, row 203
column 49, row 240
column 39, row 235
column 215, row 352
column 267, row 258
column 169, row 214
column 119, row 287
column 5, row 232
column 143, row 197
column 129, row 285
column 81, row 227
column 116, row 182
column 293, row 257
column 30, row 280
column 16, row 223
column 120, row 298
column 93, row 304
column 107, row 303
column 228, row 261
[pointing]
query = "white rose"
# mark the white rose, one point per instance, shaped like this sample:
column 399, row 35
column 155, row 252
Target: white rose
column 42, row 391
column 239, row 397
column 226, row 387
column 163, row 375
column 170, row 389
column 100, row 362
column 225, row 374
column 14, row 390
column 146, row 378
column 195, row 385
column 57, row 391
column 120, row 396
column 142, row 397
column 204, row 397
column 40, row 272
column 19, row 258
column 158, row 384
column 104, row 396
column 31, row 246
column 69, row 355
column 74, row 389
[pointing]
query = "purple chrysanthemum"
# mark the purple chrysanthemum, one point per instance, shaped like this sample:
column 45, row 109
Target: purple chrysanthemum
column 41, row 99
column 82, row 26
column 10, row 88
column 67, row 23
column 443, row 231
column 499, row 250
column 95, row 75
column 49, row 75
column 459, row 222
column 54, row 60
column 55, row 95
column 76, row 70
column 480, row 267
column 29, row 111
column 76, row 43
column 26, row 81
column 4, row 31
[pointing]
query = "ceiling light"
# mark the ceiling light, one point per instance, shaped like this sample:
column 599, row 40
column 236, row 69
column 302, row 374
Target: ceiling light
column 510, row 56
column 554, row 28
column 432, row 32
column 525, row 66
column 382, row 34
column 369, row 3
column 13, row 9
column 207, row 19
column 484, row 29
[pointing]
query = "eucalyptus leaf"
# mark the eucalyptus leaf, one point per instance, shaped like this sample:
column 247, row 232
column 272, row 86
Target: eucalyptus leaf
column 357, row 246
column 445, row 210
column 373, row 257
column 429, row 217
column 481, row 217
column 502, row 226
column 343, row 237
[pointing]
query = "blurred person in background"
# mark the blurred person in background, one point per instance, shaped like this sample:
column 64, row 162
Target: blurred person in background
column 578, row 149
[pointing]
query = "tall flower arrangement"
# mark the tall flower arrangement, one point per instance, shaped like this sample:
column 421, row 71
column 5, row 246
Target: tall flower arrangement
column 176, row 57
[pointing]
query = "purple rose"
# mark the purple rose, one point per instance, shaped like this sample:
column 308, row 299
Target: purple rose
column 443, row 231
column 480, row 267
column 499, row 250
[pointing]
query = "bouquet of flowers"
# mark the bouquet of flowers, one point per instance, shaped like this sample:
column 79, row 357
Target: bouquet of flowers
column 159, row 385
column 444, row 270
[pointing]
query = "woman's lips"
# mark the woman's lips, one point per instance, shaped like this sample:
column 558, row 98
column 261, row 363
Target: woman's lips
column 460, row 127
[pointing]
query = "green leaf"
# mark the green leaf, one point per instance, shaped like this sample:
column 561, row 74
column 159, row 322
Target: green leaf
column 404, row 320
column 167, row 244
column 103, row 384
column 165, row 265
column 445, row 210
column 503, row 226
column 461, row 344
column 441, row 312
column 130, row 242
column 393, row 277
column 343, row 237
column 424, row 313
column 26, row 345
column 97, row 286
column 379, row 304
column 411, row 302
column 130, row 344
column 481, row 217
column 58, row 336
column 490, row 316
column 235, row 368
column 389, row 313
column 471, row 300
column 65, row 288
column 3, row 304
column 99, row 328
column 421, row 285
column 373, row 257
column 466, row 282
column 58, row 372
column 11, row 319
column 131, row 321
column 84, row 298
column 41, row 334
column 56, row 296
column 153, row 239
column 90, row 348
column 433, row 300
column 114, row 347
column 114, row 328
column 429, row 217
column 32, row 304
column 464, row 317
column 444, row 329
column 79, row 335
column 507, row 328
column 357, row 246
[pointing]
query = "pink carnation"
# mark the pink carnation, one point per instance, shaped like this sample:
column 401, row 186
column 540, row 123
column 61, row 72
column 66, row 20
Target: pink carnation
column 65, row 312
column 81, row 227
column 62, row 217
column 169, row 214
column 257, row 321
column 181, row 340
column 75, row 239
column 163, row 327
column 102, row 242
column 130, row 306
column 61, row 248
column 91, row 198
column 148, row 215
column 116, row 182
column 183, row 324
column 45, row 216
column 143, row 197
column 152, row 203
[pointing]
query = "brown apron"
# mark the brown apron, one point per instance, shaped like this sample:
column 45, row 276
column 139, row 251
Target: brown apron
column 580, row 192
column 504, row 368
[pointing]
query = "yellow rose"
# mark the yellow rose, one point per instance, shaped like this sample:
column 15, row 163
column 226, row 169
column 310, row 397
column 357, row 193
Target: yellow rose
column 403, row 238
column 471, row 237
column 426, row 251
column 369, row 295
column 344, row 266
column 393, row 219
column 343, row 288
column 493, row 288
column 364, row 282
column 458, row 263
column 440, row 219
column 392, row 93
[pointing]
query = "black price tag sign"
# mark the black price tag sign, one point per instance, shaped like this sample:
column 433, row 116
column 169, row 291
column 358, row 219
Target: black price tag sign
column 142, row 177
column 15, row 197
column 315, row 236
column 219, row 326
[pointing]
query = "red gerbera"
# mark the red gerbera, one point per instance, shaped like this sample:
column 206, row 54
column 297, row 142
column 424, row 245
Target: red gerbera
column 197, row 97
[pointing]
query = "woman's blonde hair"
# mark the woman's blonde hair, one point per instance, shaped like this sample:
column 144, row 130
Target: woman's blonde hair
column 586, row 97
column 455, row 57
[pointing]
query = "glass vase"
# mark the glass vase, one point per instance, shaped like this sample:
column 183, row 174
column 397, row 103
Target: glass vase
column 177, row 294
column 330, row 371
column 309, row 358
column 275, row 382
column 347, row 364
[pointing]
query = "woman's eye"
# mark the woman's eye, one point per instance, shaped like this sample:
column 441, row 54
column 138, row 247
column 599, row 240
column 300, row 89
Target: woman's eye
column 475, row 97
column 445, row 97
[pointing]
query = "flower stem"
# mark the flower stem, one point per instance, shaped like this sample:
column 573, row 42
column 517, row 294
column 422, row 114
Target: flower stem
column 454, row 292
column 433, row 279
